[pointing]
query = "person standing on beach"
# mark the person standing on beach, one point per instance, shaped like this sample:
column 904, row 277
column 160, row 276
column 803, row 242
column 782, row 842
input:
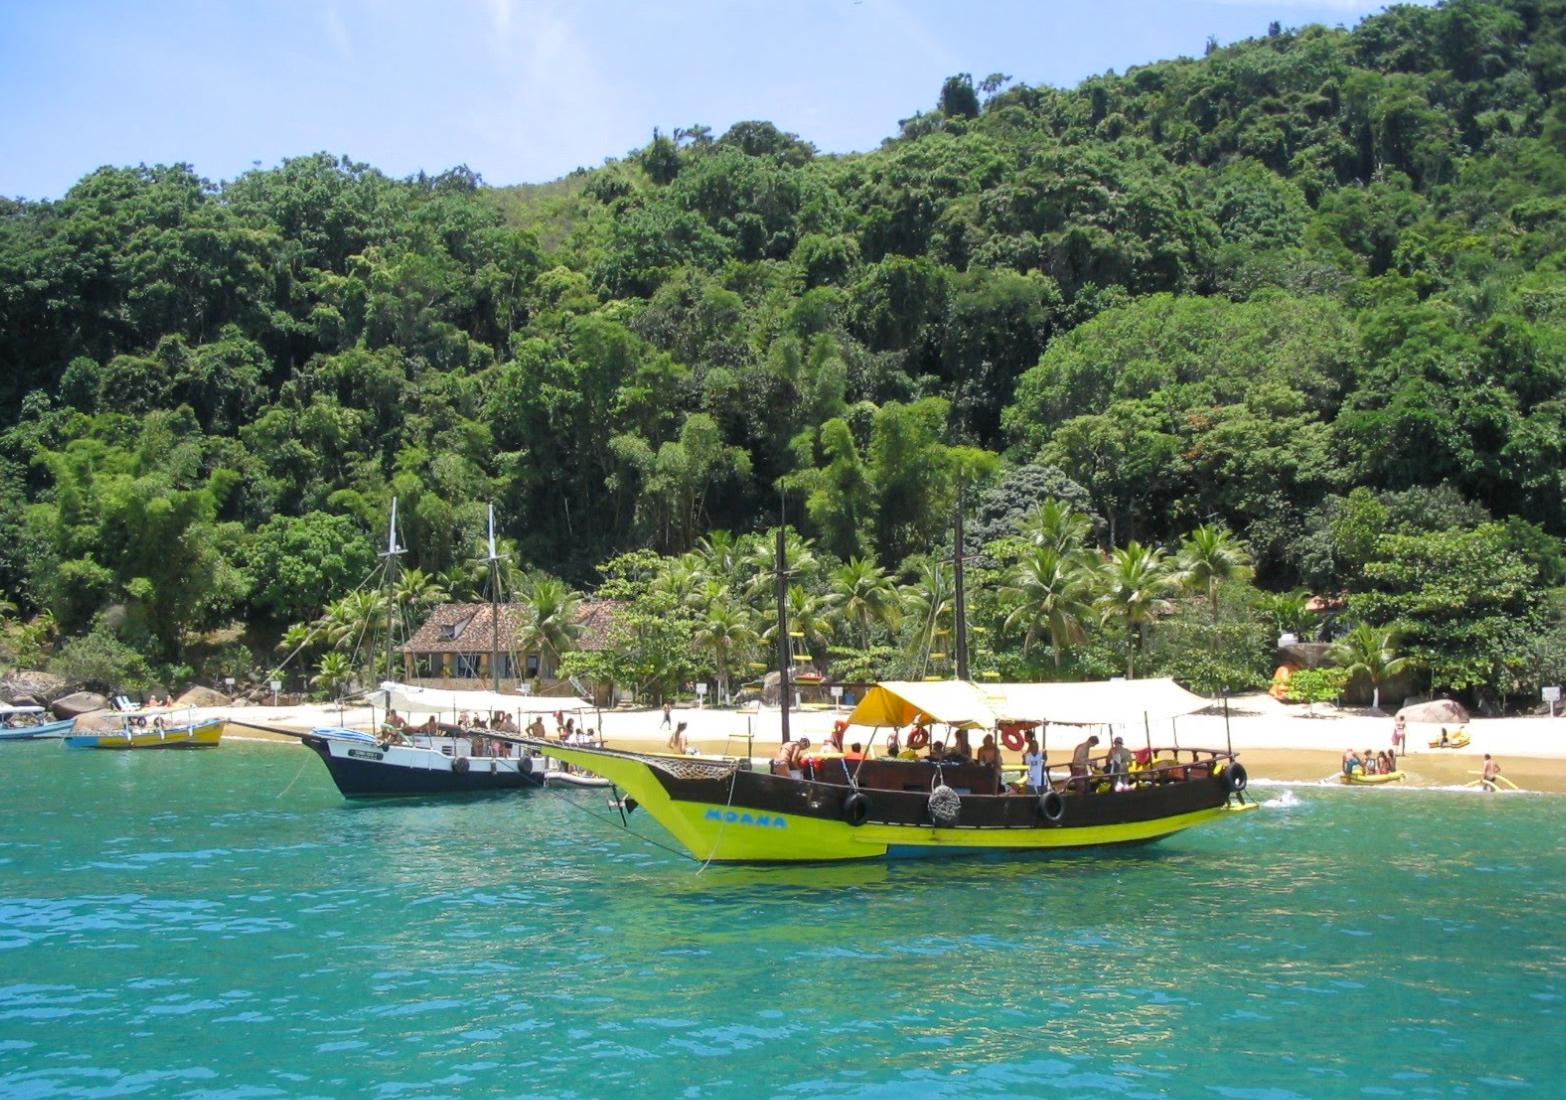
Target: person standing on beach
column 1399, row 733
column 668, row 715
column 1492, row 772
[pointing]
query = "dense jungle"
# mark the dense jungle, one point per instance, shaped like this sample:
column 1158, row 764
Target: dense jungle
column 1187, row 345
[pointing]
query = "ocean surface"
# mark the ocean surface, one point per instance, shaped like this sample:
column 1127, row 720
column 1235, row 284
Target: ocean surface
column 223, row 924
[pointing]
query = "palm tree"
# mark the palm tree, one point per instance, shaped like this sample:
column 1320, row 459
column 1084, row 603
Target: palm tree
column 417, row 590
column 1137, row 584
column 931, row 602
column 1049, row 592
column 333, row 672
column 1370, row 650
column 721, row 554
column 1209, row 557
column 760, row 561
column 863, row 594
column 551, row 628
column 347, row 620
column 1057, row 525
column 727, row 633
column 807, row 619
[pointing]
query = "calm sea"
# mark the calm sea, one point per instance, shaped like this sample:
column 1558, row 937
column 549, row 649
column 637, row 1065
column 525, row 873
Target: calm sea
column 223, row 924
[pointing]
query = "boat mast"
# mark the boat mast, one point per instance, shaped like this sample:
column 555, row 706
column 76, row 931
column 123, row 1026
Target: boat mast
column 393, row 552
column 960, row 593
column 494, row 606
column 785, row 654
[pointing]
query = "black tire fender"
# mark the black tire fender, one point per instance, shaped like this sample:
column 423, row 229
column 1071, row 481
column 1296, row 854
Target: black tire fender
column 856, row 809
column 459, row 764
column 1235, row 776
column 1052, row 807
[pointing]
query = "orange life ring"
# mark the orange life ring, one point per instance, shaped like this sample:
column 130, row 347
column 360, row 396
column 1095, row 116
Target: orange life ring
column 1012, row 739
column 919, row 738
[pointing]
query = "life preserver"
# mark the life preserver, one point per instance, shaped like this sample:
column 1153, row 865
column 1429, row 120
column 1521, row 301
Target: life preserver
column 856, row 809
column 1235, row 777
column 919, row 738
column 1012, row 739
column 1052, row 806
column 459, row 764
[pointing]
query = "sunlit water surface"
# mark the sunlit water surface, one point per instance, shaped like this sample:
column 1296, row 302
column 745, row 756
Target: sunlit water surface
column 223, row 924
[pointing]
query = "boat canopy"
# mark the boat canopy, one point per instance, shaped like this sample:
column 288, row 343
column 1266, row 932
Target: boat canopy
column 444, row 701
column 6, row 710
column 899, row 702
column 983, row 706
column 1094, row 703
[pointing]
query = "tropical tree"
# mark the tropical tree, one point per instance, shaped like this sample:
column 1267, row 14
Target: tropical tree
column 417, row 590
column 334, row 671
column 1209, row 557
column 1049, row 592
column 862, row 594
column 1055, row 524
column 929, row 606
column 551, row 628
column 1138, row 582
column 1372, row 651
column 726, row 634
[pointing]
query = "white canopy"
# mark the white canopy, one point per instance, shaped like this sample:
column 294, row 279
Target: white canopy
column 6, row 710
column 450, row 702
column 1095, row 703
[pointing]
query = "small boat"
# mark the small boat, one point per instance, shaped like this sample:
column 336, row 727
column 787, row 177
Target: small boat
column 1358, row 778
column 1457, row 739
column 159, row 731
column 28, row 724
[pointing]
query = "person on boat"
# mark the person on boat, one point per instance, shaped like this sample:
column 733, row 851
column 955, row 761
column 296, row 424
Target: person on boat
column 834, row 741
column 677, row 740
column 536, row 727
column 960, row 751
column 1492, row 772
column 1033, row 759
column 988, row 754
column 1081, row 754
column 1384, row 762
column 1444, row 741
column 1351, row 762
column 1372, row 763
column 937, row 752
column 1118, row 764
column 855, row 751
column 893, row 745
column 788, row 760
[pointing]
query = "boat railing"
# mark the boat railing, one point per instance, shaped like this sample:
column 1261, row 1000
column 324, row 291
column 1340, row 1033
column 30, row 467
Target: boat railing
column 1156, row 766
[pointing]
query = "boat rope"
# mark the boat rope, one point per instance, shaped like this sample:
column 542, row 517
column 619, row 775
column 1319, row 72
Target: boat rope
column 722, row 825
column 297, row 774
column 561, row 794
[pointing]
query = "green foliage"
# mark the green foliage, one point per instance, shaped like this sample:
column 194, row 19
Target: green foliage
column 1317, row 685
column 101, row 662
column 1307, row 289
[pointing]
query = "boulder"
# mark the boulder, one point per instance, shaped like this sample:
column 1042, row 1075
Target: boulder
column 199, row 696
column 38, row 685
column 77, row 704
column 1438, row 711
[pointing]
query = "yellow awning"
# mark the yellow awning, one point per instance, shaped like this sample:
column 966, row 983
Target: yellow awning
column 901, row 702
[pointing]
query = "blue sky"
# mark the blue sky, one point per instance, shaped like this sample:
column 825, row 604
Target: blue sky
column 523, row 91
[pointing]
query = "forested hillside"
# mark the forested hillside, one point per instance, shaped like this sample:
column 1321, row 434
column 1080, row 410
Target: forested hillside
column 1303, row 296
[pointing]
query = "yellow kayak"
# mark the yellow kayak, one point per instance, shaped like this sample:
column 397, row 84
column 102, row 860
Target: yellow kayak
column 1370, row 780
column 1458, row 740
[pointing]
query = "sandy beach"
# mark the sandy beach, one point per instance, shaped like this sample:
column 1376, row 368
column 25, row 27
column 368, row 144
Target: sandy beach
column 1280, row 742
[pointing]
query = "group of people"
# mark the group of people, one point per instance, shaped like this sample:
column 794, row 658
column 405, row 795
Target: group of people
column 1371, row 763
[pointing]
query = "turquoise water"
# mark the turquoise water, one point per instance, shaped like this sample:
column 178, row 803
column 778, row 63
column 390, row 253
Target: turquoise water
column 189, row 924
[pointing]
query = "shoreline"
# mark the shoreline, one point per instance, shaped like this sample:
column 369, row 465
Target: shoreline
column 1278, row 743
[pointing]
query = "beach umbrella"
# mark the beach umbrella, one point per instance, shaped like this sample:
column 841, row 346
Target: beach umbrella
column 1435, row 711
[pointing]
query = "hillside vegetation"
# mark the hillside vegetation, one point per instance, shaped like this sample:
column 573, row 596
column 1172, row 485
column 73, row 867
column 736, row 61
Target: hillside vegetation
column 1303, row 296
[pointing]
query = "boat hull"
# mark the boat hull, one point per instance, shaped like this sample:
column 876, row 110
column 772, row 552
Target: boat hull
column 1358, row 779
column 739, row 816
column 199, row 735
column 363, row 770
column 35, row 733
